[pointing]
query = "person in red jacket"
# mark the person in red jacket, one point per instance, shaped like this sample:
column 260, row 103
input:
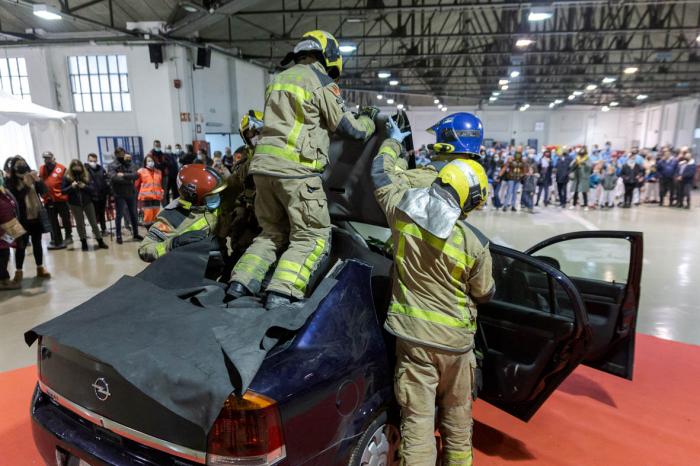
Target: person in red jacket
column 149, row 185
column 56, row 201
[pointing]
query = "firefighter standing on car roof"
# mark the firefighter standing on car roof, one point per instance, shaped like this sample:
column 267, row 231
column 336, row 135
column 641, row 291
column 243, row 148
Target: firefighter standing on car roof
column 237, row 220
column 442, row 270
column 189, row 218
column 302, row 107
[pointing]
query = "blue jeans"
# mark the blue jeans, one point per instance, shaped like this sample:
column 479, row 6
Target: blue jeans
column 527, row 199
column 496, row 200
column 512, row 193
column 130, row 204
column 543, row 188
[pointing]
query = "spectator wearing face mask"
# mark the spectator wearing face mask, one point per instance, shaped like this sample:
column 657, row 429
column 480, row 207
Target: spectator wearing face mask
column 122, row 177
column 162, row 162
column 79, row 189
column 100, row 190
column 26, row 186
column 203, row 158
column 149, row 185
column 52, row 172
column 228, row 159
column 544, row 182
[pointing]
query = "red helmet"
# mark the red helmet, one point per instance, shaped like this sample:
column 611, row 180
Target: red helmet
column 197, row 181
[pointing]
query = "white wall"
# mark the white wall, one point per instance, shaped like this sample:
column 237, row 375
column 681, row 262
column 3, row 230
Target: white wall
column 215, row 97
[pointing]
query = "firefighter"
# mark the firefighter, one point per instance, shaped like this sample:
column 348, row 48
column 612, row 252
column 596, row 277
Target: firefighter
column 189, row 218
column 442, row 270
column 302, row 107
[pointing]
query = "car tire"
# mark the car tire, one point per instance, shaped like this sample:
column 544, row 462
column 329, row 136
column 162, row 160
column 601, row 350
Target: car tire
column 378, row 445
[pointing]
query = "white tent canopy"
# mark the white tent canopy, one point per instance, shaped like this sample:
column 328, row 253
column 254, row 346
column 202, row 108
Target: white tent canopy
column 28, row 129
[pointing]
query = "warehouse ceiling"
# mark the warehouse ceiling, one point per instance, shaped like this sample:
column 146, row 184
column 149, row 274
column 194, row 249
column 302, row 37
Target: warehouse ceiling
column 455, row 51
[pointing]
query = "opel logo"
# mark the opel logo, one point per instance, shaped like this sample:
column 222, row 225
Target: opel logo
column 101, row 389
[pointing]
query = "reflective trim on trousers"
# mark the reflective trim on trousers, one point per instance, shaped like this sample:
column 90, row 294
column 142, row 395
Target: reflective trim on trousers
column 252, row 265
column 457, row 458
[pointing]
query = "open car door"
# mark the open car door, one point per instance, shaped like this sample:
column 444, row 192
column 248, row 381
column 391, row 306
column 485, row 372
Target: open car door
column 606, row 268
column 531, row 335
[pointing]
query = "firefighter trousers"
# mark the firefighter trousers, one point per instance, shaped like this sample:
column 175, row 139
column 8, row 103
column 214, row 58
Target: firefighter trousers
column 293, row 214
column 426, row 377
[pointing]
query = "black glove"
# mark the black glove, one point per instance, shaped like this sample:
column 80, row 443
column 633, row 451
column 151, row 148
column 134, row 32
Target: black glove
column 188, row 238
column 370, row 111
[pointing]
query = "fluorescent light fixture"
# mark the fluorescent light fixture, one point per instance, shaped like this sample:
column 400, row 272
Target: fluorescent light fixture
column 493, row 99
column 631, row 70
column 383, row 75
column 347, row 48
column 609, row 79
column 380, row 97
column 514, row 74
column 558, row 101
column 390, row 101
column 540, row 13
column 697, row 38
column 357, row 106
column 399, row 106
column 444, row 109
column 190, row 8
column 394, row 82
column 571, row 97
column 440, row 105
column 614, row 104
column 46, row 12
column 356, row 19
column 551, row 105
column 577, row 93
column 504, row 88
column 524, row 42
column 524, row 107
column 436, row 101
column 495, row 93
column 642, row 96
column 591, row 87
column 605, row 108
column 502, row 82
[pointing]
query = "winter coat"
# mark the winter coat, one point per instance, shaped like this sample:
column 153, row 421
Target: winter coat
column 687, row 171
column 21, row 193
column 581, row 170
column 77, row 196
column 545, row 172
column 8, row 211
column 529, row 183
column 594, row 180
column 609, row 182
column 630, row 175
column 99, row 182
column 666, row 168
column 563, row 169
column 122, row 186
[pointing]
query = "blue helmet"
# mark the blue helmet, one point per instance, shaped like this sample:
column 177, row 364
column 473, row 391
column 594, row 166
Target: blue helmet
column 459, row 133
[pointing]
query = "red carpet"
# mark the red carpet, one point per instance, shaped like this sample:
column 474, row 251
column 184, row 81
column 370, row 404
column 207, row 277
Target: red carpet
column 593, row 419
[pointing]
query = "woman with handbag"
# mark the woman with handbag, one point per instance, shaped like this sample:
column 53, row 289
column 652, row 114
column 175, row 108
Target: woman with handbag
column 26, row 186
column 10, row 228
column 77, row 185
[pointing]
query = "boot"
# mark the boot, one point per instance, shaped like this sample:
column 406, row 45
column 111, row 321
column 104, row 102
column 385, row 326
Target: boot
column 83, row 244
column 275, row 300
column 68, row 240
column 41, row 272
column 19, row 275
column 101, row 244
column 138, row 237
column 7, row 284
column 119, row 240
column 238, row 290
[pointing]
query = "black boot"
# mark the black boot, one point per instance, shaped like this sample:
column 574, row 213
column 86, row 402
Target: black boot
column 101, row 244
column 83, row 244
column 276, row 300
column 238, row 290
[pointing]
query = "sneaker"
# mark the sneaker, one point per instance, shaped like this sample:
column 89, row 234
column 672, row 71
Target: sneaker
column 572, row 207
column 513, row 209
column 585, row 209
column 505, row 208
column 53, row 246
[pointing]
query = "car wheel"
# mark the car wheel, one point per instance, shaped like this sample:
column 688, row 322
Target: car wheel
column 379, row 445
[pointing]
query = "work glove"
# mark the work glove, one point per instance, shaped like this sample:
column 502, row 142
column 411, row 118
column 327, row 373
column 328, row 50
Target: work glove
column 188, row 238
column 370, row 111
column 394, row 132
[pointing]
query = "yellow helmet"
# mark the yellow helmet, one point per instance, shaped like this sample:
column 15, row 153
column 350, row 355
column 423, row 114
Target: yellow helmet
column 327, row 45
column 468, row 179
column 253, row 120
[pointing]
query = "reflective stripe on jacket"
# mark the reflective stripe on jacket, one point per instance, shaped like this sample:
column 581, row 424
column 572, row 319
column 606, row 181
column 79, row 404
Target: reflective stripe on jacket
column 150, row 184
column 435, row 279
column 302, row 107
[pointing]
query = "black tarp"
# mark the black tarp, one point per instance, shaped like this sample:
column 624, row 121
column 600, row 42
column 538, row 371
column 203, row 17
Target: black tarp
column 168, row 332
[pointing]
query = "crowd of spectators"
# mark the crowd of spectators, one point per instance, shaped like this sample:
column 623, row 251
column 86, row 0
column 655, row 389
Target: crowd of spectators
column 574, row 177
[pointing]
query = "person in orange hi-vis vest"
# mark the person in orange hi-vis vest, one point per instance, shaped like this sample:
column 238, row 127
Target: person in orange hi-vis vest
column 149, row 185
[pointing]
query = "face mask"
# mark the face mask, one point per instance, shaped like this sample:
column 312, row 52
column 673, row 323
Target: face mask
column 127, row 162
column 213, row 201
column 156, row 149
column 92, row 164
column 150, row 163
column 77, row 171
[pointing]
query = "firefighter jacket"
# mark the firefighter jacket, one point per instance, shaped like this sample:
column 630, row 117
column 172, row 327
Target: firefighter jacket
column 302, row 107
column 436, row 281
column 172, row 221
column 149, row 184
column 53, row 179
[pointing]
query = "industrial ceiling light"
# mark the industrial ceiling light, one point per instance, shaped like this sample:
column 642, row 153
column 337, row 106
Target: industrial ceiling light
column 46, row 12
column 504, row 88
column 493, row 98
column 524, row 42
column 540, row 13
column 495, row 93
column 390, row 101
column 609, row 79
column 558, row 101
column 524, row 107
column 440, row 105
column 605, row 108
column 551, row 105
column 399, row 106
column 577, row 93
column 514, row 74
column 591, row 87
column 502, row 82
column 642, row 96
column 380, row 97
column 383, row 75
column 436, row 101
column 631, row 70
column 394, row 82
column 614, row 104
column 355, row 19
column 444, row 109
column 571, row 97
column 347, row 48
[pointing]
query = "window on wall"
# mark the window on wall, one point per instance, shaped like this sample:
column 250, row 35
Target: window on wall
column 99, row 83
column 13, row 77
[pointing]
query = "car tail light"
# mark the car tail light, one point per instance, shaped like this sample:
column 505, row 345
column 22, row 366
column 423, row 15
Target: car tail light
column 248, row 432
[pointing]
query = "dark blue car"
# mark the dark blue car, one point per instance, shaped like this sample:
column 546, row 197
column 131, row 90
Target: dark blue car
column 324, row 395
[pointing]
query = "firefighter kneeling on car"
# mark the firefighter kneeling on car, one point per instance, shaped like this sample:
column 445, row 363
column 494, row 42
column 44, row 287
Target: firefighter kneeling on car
column 442, row 270
column 189, row 218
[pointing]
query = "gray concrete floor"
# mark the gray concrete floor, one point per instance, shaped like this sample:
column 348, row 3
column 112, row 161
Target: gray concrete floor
column 669, row 309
